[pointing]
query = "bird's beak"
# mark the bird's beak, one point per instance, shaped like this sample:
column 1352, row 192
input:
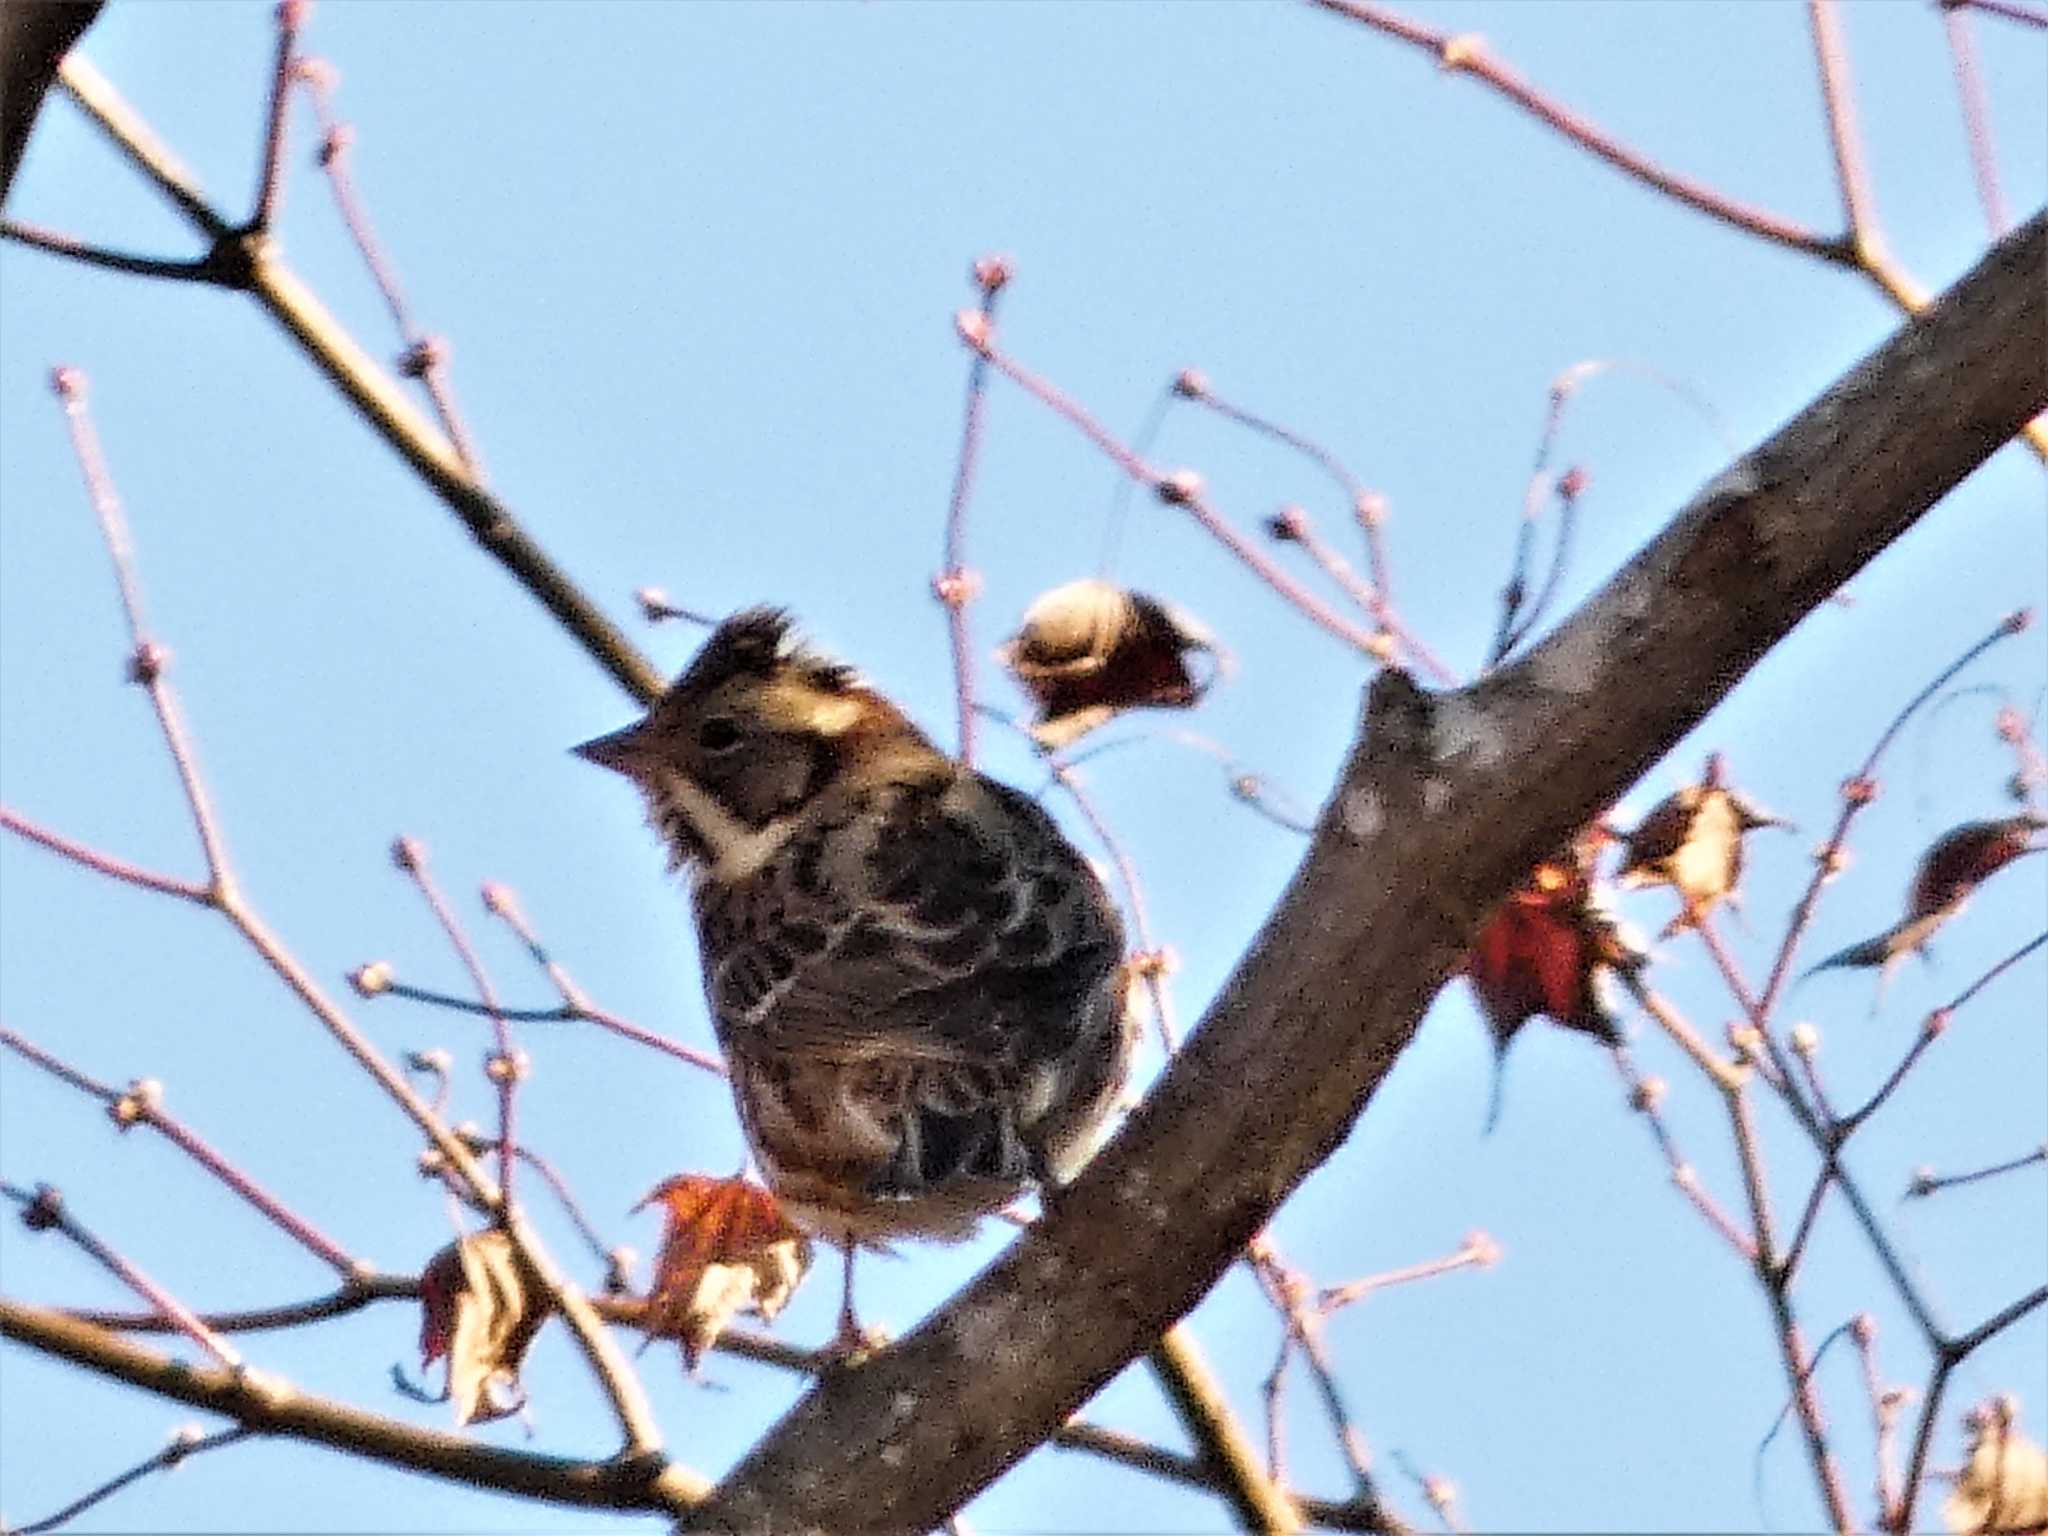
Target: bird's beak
column 616, row 751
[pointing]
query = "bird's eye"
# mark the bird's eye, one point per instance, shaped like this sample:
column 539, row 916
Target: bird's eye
column 718, row 734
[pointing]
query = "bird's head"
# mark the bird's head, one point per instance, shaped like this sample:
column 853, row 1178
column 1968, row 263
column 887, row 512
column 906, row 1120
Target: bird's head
column 753, row 731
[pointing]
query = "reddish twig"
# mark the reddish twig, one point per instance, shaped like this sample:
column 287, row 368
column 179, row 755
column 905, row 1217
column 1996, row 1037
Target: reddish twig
column 425, row 357
column 1976, row 109
column 141, row 1103
column 1466, row 54
column 291, row 16
column 1367, row 506
column 1478, row 1251
column 955, row 586
column 1181, row 488
column 43, row 1210
column 505, row 1067
column 1646, row 1097
column 104, row 864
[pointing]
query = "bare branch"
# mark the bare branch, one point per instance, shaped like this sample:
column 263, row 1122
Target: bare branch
column 268, row 1407
column 187, row 1442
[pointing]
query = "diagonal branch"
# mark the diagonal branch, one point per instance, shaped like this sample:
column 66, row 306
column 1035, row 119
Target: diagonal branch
column 1444, row 804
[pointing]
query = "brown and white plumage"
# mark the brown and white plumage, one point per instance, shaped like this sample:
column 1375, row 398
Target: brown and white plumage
column 917, row 981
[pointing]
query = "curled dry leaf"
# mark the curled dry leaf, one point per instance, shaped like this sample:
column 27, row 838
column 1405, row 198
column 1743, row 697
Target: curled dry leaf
column 727, row 1249
column 2003, row 1487
column 1087, row 651
column 1551, row 949
column 480, row 1307
column 1948, row 874
column 1692, row 842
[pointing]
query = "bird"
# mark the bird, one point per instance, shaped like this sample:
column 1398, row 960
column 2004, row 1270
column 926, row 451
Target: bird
column 918, row 983
column 1692, row 842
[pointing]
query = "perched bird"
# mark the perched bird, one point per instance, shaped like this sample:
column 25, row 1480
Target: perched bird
column 917, row 981
column 1692, row 842
column 1948, row 874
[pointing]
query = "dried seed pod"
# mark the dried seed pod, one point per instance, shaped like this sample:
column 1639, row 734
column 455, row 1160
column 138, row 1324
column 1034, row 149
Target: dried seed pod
column 481, row 1307
column 1087, row 651
column 1692, row 842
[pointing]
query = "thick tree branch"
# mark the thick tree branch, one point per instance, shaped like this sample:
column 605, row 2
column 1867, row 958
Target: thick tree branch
column 1446, row 801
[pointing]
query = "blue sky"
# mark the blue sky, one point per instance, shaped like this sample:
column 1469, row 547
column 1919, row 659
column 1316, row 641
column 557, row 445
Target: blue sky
column 698, row 267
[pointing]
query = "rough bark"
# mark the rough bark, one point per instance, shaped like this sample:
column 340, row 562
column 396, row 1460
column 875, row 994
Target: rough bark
column 34, row 36
column 1444, row 804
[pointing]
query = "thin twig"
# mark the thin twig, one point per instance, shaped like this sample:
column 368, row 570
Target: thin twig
column 1181, row 488
column 1976, row 109
column 102, row 863
column 1932, row 1028
column 1838, row 96
column 1798, row 1373
column 1467, row 54
column 142, row 1104
column 43, row 1209
column 1478, row 1251
column 185, row 1443
column 371, row 984
column 505, row 1067
column 200, row 269
column 1645, row 1095
column 1926, row 1182
column 425, row 357
column 1368, row 507
column 956, row 585
column 291, row 16
column 2011, row 10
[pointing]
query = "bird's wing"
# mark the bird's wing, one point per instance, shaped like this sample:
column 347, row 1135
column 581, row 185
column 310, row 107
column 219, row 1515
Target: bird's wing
column 949, row 921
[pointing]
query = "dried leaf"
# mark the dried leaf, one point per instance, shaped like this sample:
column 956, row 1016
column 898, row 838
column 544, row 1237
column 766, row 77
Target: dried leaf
column 727, row 1249
column 480, row 1307
column 1692, row 842
column 1087, row 651
column 2003, row 1487
column 1550, row 949
column 1963, row 858
column 1948, row 874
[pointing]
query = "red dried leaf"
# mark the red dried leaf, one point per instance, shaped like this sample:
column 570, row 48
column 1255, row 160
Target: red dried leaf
column 1087, row 651
column 480, row 1307
column 1548, row 949
column 727, row 1248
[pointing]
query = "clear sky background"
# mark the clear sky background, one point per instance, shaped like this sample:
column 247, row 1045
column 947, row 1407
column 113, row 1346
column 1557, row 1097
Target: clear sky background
column 698, row 265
